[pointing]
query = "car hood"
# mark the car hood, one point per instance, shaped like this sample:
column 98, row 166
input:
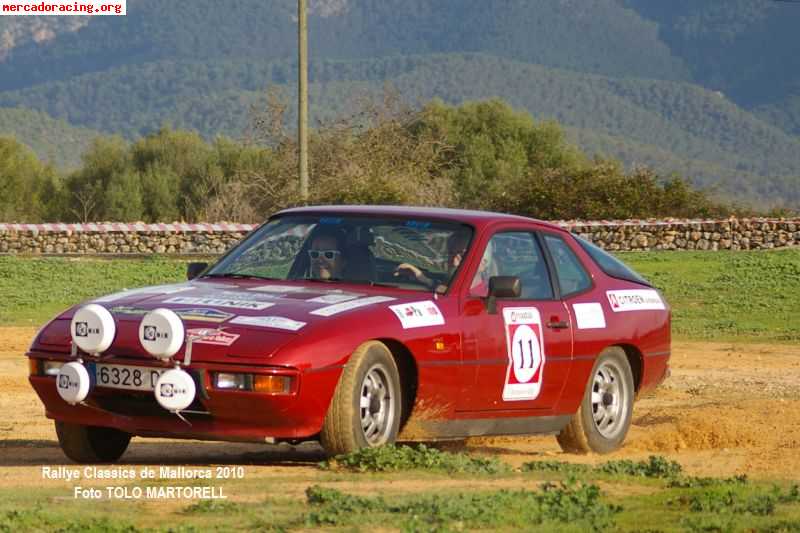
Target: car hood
column 245, row 319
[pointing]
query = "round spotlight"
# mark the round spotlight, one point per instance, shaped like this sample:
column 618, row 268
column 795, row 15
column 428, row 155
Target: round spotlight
column 92, row 329
column 161, row 333
column 175, row 390
column 73, row 383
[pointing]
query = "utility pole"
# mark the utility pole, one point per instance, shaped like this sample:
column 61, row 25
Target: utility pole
column 302, row 111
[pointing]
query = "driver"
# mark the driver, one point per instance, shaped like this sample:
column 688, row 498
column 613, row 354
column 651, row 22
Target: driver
column 327, row 255
column 457, row 245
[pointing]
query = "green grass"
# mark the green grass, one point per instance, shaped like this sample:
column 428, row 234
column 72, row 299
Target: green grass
column 613, row 496
column 727, row 296
column 34, row 290
column 421, row 457
column 722, row 296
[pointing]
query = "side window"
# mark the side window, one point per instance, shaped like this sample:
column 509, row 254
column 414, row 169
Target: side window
column 572, row 276
column 514, row 253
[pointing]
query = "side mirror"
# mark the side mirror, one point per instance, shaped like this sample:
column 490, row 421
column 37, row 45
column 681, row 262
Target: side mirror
column 195, row 269
column 502, row 287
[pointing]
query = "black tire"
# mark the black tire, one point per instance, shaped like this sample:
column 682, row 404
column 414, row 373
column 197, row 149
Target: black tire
column 90, row 444
column 371, row 373
column 604, row 416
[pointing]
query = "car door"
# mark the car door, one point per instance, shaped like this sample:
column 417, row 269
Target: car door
column 519, row 356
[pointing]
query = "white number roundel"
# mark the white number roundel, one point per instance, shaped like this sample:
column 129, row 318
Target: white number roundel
column 526, row 354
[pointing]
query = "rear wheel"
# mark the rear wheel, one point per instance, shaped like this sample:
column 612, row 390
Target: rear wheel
column 604, row 416
column 366, row 408
column 90, row 444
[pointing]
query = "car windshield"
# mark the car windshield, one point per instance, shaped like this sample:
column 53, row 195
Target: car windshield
column 408, row 253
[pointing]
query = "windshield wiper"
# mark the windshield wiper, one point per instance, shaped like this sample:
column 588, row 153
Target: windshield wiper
column 234, row 275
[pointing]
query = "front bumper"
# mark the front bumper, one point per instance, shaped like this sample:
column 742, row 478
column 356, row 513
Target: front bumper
column 227, row 415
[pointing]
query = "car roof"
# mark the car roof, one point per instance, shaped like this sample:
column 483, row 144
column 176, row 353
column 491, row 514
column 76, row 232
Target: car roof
column 473, row 217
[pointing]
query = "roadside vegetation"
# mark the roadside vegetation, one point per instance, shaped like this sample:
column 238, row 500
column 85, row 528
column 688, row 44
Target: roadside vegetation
column 649, row 495
column 482, row 155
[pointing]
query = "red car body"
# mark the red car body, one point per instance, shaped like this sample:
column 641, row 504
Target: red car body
column 453, row 375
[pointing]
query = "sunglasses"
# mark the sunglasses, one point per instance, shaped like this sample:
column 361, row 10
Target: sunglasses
column 330, row 255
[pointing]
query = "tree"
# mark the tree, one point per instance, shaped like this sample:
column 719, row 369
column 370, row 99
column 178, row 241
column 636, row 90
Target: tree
column 23, row 179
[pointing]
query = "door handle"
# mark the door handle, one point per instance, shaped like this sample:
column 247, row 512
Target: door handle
column 561, row 324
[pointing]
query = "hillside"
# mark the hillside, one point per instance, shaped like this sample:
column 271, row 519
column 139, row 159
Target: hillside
column 699, row 132
column 54, row 141
column 613, row 40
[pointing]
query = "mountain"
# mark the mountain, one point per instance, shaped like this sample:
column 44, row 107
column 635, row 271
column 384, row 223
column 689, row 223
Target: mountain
column 614, row 40
column 708, row 89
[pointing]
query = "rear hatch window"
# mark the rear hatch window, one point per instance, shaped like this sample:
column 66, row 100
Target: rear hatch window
column 610, row 264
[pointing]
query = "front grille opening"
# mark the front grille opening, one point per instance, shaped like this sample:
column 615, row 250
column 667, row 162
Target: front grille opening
column 135, row 404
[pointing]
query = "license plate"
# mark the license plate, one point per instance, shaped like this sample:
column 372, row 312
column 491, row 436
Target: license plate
column 127, row 377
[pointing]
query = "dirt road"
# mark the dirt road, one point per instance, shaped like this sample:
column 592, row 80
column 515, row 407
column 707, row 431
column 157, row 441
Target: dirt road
column 727, row 409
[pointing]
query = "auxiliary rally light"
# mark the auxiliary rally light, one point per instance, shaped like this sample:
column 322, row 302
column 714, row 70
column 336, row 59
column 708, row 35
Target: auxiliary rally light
column 92, row 330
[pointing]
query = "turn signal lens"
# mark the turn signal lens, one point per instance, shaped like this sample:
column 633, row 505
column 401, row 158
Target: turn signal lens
column 272, row 384
column 33, row 367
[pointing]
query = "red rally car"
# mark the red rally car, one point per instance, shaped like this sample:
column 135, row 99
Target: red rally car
column 360, row 326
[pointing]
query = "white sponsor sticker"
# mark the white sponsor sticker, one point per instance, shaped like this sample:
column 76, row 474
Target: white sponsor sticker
column 277, row 288
column 220, row 302
column 276, row 322
column 589, row 316
column 353, row 304
column 635, row 300
column 525, row 350
column 163, row 289
column 212, row 336
column 334, row 298
column 418, row 314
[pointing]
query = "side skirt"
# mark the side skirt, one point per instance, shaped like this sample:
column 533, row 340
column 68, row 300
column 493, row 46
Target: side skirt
column 476, row 427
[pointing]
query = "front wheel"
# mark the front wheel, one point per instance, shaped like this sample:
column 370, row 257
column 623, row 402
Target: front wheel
column 90, row 444
column 604, row 416
column 366, row 406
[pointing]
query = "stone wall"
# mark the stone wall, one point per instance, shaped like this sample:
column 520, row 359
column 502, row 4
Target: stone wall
column 213, row 239
column 120, row 239
column 732, row 234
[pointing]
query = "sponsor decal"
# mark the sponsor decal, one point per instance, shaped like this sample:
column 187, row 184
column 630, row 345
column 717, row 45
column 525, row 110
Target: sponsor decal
column 244, row 295
column 163, row 289
column 334, row 298
column 277, row 288
column 353, row 304
column 220, row 302
column 198, row 314
column 418, row 314
column 216, row 337
column 635, row 300
column 275, row 322
column 126, row 310
column 589, row 316
column 525, row 350
column 170, row 390
column 204, row 315
column 65, row 383
column 82, row 329
column 151, row 333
